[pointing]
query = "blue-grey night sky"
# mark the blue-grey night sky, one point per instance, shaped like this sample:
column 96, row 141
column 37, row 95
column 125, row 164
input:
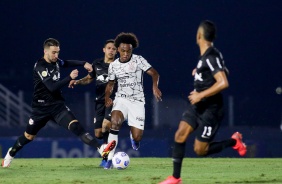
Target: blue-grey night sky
column 249, row 37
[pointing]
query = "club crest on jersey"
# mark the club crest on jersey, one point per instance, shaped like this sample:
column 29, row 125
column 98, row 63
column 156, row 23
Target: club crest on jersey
column 131, row 66
column 199, row 64
column 44, row 74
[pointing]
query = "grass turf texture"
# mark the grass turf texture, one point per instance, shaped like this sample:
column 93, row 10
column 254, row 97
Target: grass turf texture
column 142, row 171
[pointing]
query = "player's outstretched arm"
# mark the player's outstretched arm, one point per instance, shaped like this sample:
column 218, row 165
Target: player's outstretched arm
column 70, row 63
column 84, row 81
column 155, row 77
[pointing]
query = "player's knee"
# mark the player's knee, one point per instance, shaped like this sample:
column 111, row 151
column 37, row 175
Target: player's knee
column 116, row 123
column 99, row 134
column 29, row 136
column 76, row 128
column 200, row 151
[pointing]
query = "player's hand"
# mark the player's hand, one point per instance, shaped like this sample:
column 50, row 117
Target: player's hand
column 74, row 74
column 72, row 83
column 108, row 102
column 157, row 93
column 194, row 97
column 194, row 72
column 88, row 67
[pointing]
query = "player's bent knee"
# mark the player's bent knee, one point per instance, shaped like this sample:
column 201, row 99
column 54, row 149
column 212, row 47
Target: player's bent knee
column 29, row 136
column 200, row 151
column 76, row 128
column 99, row 135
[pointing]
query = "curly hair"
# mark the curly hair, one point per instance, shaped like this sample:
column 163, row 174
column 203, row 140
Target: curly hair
column 128, row 38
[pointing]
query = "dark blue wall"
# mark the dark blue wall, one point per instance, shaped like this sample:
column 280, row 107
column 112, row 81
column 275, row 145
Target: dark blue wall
column 249, row 36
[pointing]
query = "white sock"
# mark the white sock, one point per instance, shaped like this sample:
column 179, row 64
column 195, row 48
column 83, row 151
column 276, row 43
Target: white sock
column 110, row 138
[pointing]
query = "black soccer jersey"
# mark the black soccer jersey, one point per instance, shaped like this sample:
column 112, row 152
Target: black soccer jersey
column 100, row 72
column 47, row 83
column 209, row 64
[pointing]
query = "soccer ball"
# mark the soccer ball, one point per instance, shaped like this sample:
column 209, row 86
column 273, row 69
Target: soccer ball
column 121, row 160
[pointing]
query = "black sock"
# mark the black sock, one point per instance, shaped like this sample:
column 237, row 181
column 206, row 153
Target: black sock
column 177, row 158
column 89, row 140
column 79, row 131
column 105, row 136
column 19, row 144
column 216, row 147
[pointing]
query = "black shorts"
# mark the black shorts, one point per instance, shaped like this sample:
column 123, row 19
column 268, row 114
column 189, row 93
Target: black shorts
column 101, row 112
column 40, row 115
column 205, row 118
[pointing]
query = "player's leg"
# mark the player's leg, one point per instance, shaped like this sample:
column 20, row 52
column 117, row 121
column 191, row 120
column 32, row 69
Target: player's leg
column 106, row 125
column 136, row 135
column 37, row 121
column 98, row 121
column 186, row 126
column 65, row 118
column 210, row 121
column 178, row 152
column 136, row 121
column 118, row 115
column 116, row 122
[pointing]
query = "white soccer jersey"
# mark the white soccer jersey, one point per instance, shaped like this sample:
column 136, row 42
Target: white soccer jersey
column 129, row 76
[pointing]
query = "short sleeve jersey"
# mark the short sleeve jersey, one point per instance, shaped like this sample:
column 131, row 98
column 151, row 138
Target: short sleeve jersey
column 129, row 76
column 208, row 65
column 42, row 72
column 100, row 72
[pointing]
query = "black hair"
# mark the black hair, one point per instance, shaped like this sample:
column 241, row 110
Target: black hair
column 109, row 41
column 209, row 30
column 51, row 42
column 128, row 38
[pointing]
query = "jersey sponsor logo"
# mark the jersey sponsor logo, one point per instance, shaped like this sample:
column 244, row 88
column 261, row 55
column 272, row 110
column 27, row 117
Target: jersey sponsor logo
column 52, row 71
column 128, row 85
column 44, row 74
column 198, row 76
column 99, row 68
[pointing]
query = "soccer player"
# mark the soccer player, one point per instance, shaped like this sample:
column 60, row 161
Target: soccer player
column 100, row 73
column 129, row 101
column 49, row 104
column 206, row 110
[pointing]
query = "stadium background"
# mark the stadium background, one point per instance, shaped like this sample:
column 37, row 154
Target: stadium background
column 248, row 36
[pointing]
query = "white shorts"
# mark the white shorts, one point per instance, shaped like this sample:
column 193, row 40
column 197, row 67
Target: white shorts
column 133, row 112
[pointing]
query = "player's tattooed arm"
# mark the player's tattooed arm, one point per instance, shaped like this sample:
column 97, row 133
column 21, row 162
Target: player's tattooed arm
column 84, row 81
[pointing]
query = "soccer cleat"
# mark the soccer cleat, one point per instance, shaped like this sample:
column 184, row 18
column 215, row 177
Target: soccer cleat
column 240, row 146
column 135, row 145
column 108, row 165
column 103, row 163
column 172, row 180
column 6, row 162
column 105, row 149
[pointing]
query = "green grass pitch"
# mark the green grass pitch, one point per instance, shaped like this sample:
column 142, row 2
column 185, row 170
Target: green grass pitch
column 143, row 171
